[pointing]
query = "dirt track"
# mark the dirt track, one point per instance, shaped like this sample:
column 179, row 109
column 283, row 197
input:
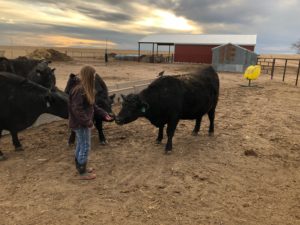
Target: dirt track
column 207, row 180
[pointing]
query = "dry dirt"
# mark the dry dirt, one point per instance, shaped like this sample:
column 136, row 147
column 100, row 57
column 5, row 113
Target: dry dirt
column 118, row 71
column 248, row 173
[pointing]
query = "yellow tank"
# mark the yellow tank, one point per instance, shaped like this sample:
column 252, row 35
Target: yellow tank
column 252, row 72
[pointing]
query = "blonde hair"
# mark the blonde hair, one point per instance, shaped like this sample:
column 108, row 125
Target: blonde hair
column 87, row 77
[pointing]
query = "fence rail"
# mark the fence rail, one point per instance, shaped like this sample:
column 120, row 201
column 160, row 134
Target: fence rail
column 280, row 67
column 91, row 55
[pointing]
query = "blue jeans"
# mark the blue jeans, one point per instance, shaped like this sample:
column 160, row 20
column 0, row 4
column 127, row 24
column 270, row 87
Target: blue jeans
column 83, row 144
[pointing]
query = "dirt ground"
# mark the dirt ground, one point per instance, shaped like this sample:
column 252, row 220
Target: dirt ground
column 248, row 173
column 119, row 71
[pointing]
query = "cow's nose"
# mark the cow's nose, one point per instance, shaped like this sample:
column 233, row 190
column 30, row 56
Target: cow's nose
column 112, row 115
column 118, row 121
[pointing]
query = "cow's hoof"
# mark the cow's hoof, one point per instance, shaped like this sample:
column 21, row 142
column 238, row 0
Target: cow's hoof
column 19, row 149
column 2, row 158
column 211, row 134
column 158, row 142
column 168, row 152
column 103, row 142
column 194, row 133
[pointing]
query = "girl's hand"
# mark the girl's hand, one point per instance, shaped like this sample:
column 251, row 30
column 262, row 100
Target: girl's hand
column 108, row 118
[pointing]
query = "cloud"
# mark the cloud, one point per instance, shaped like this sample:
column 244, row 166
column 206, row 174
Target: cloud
column 6, row 21
column 63, row 41
column 125, row 22
column 103, row 15
column 275, row 22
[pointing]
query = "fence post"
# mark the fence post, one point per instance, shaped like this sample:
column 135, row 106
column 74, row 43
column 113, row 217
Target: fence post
column 273, row 67
column 284, row 70
column 298, row 73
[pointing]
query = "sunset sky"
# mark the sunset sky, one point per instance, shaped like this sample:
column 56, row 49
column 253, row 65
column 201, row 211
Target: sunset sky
column 79, row 23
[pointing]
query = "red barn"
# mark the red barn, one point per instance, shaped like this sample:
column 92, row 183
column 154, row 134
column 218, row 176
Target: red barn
column 196, row 48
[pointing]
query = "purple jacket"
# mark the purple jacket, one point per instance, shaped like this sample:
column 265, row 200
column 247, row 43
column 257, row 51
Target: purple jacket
column 81, row 113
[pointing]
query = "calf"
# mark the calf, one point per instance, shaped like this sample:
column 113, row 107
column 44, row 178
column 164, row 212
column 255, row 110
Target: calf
column 37, row 71
column 102, row 99
column 171, row 98
column 5, row 65
column 23, row 101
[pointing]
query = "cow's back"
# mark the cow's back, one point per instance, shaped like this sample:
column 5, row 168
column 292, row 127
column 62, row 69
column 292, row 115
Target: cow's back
column 13, row 86
column 19, row 101
column 101, row 88
column 5, row 65
column 188, row 96
column 201, row 92
column 23, row 67
column 165, row 98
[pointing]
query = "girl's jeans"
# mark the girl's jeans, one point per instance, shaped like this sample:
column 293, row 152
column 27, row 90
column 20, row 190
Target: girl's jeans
column 83, row 144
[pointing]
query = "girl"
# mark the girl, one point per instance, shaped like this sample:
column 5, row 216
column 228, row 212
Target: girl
column 81, row 113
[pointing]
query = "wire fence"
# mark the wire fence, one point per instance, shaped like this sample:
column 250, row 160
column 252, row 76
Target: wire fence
column 285, row 68
column 91, row 55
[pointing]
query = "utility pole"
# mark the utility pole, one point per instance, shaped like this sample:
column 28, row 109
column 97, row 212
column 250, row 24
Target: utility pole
column 11, row 47
column 106, row 56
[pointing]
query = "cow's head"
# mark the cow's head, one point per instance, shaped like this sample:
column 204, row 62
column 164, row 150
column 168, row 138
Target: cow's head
column 57, row 104
column 105, row 102
column 132, row 108
column 5, row 65
column 102, row 98
column 44, row 75
column 73, row 80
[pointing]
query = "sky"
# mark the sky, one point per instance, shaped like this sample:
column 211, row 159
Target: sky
column 121, row 23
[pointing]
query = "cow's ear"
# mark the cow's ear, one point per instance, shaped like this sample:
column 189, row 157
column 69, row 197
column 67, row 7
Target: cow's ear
column 72, row 75
column 112, row 97
column 53, row 70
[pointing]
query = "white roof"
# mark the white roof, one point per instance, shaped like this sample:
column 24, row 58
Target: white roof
column 220, row 46
column 207, row 39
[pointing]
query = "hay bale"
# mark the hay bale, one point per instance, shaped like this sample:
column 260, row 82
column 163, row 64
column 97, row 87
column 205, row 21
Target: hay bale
column 112, row 54
column 2, row 53
column 49, row 54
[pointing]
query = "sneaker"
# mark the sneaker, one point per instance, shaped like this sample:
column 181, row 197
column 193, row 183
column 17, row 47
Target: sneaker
column 87, row 176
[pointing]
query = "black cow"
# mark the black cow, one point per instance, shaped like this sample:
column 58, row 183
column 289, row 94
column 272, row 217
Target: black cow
column 169, row 99
column 102, row 99
column 5, row 65
column 23, row 101
column 37, row 71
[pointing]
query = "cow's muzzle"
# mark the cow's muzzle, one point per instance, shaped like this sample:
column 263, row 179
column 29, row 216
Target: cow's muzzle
column 118, row 121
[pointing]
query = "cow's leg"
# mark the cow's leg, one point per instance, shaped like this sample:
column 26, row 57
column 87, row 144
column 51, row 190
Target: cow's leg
column 99, row 126
column 72, row 138
column 2, row 157
column 15, row 140
column 211, row 116
column 197, row 126
column 172, row 124
column 160, row 134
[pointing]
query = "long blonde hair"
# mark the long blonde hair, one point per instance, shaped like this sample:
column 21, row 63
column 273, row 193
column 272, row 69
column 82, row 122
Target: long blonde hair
column 87, row 77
